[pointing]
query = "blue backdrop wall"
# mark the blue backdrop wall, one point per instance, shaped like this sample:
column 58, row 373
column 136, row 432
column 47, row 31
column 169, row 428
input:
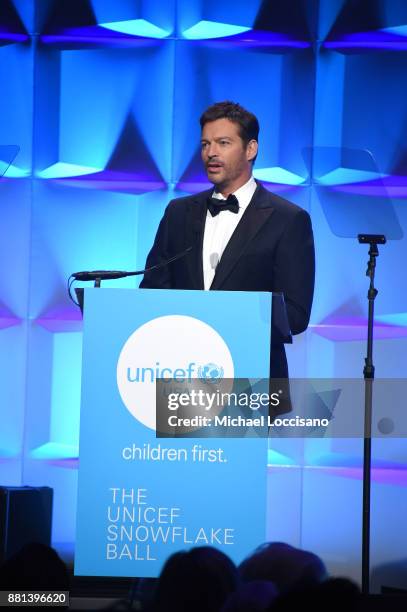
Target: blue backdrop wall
column 103, row 99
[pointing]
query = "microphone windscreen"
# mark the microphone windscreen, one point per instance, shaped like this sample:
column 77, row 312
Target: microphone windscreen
column 214, row 260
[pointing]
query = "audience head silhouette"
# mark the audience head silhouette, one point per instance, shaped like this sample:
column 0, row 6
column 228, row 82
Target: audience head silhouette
column 198, row 580
column 36, row 567
column 284, row 565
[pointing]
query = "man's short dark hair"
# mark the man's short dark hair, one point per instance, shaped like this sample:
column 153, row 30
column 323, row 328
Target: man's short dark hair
column 247, row 122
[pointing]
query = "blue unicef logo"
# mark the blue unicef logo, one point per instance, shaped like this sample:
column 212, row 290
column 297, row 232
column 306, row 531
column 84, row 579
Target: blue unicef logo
column 172, row 347
column 210, row 372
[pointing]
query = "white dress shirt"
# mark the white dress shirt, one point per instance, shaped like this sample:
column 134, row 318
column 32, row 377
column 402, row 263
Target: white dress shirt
column 219, row 229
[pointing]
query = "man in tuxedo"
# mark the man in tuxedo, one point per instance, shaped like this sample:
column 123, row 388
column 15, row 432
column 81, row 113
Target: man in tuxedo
column 244, row 238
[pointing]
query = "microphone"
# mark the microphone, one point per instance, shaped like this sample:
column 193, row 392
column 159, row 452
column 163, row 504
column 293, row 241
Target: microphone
column 92, row 275
column 214, row 260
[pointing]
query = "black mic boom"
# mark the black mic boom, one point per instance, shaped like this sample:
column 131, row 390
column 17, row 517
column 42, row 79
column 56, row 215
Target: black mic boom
column 92, row 275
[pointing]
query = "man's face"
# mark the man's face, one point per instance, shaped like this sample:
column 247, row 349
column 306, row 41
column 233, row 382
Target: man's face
column 227, row 160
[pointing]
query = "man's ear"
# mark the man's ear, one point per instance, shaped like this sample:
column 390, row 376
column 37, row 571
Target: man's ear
column 251, row 150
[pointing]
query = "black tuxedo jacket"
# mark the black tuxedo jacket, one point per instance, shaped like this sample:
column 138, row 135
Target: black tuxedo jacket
column 272, row 249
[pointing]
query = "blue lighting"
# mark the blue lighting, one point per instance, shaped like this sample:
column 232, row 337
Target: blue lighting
column 103, row 98
column 55, row 450
column 279, row 459
column 345, row 176
column 211, row 29
column 137, row 27
column 63, row 170
column 16, row 172
column 278, row 175
column 399, row 319
column 398, row 30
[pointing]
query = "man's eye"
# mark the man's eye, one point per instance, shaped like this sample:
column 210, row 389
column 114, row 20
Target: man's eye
column 203, row 145
column 224, row 142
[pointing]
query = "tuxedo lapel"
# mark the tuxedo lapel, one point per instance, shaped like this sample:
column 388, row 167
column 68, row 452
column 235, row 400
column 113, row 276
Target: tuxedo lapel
column 194, row 232
column 253, row 219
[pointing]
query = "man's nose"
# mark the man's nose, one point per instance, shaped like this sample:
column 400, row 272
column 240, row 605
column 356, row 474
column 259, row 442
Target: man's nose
column 212, row 150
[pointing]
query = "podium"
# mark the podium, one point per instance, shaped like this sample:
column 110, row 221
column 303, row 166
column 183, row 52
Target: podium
column 141, row 497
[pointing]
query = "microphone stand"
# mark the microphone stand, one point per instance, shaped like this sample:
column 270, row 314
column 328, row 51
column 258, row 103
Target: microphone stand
column 368, row 373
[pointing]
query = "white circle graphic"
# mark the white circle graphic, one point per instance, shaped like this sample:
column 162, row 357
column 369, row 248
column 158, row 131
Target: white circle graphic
column 158, row 349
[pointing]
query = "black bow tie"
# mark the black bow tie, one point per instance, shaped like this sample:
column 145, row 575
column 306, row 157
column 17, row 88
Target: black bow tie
column 215, row 206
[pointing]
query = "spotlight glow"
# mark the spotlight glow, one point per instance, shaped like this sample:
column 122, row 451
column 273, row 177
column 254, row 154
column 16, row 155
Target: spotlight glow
column 278, row 175
column 211, row 29
column 63, row 170
column 136, row 27
column 345, row 176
